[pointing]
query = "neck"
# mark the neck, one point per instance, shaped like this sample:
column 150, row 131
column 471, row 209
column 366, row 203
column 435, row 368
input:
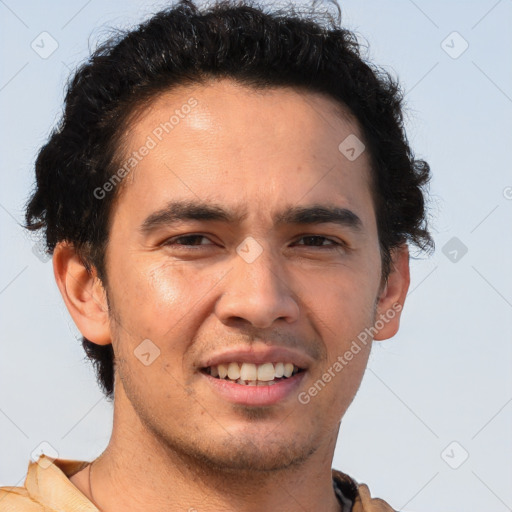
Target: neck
column 137, row 472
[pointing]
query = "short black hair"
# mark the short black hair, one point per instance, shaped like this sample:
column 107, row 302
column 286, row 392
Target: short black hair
column 184, row 44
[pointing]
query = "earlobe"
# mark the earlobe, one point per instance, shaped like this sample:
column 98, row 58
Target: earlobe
column 392, row 298
column 83, row 294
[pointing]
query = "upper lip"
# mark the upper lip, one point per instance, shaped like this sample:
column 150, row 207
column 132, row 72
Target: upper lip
column 262, row 355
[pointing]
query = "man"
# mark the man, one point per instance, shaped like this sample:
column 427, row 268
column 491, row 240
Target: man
column 229, row 201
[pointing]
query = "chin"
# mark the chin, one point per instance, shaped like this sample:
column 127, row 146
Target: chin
column 246, row 452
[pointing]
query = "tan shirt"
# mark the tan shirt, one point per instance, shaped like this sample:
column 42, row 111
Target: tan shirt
column 47, row 488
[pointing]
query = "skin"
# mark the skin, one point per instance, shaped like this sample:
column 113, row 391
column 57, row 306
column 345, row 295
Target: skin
column 176, row 445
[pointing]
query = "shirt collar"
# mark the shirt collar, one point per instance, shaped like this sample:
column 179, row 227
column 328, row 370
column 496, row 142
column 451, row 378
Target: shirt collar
column 48, row 482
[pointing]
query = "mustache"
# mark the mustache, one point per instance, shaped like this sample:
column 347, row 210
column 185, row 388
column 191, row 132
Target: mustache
column 314, row 348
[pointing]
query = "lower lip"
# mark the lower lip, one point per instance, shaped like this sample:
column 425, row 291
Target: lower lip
column 255, row 395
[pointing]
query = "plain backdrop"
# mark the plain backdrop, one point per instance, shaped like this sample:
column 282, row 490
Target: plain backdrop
column 431, row 426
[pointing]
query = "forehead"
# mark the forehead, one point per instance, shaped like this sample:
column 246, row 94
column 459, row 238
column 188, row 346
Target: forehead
column 229, row 142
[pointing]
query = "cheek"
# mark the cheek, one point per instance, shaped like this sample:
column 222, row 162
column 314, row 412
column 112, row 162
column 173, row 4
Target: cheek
column 343, row 297
column 346, row 320
column 344, row 315
column 343, row 309
column 161, row 301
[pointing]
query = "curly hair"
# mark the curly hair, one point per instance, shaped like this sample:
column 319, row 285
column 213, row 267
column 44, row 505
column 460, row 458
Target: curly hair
column 253, row 45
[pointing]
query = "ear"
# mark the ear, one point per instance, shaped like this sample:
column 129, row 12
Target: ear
column 392, row 297
column 83, row 293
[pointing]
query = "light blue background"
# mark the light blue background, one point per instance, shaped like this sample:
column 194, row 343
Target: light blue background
column 446, row 376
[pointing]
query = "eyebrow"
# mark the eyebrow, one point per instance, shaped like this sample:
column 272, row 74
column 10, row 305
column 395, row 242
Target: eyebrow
column 179, row 211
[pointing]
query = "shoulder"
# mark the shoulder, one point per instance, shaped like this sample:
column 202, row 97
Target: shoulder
column 357, row 495
column 17, row 499
column 46, row 487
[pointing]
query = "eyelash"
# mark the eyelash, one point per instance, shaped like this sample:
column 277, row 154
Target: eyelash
column 172, row 242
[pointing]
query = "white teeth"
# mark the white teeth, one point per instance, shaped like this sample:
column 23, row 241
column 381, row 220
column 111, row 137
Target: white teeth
column 233, row 371
column 248, row 371
column 266, row 372
column 223, row 371
column 288, row 369
column 253, row 374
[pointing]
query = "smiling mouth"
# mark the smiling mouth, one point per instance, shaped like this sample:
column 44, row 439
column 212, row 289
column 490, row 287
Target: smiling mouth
column 249, row 374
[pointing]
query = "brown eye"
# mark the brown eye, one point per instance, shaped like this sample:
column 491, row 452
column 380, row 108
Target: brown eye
column 318, row 241
column 186, row 241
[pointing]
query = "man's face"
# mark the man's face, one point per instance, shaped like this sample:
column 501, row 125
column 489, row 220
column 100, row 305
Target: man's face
column 271, row 289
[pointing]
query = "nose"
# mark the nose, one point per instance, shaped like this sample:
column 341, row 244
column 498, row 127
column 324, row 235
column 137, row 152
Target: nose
column 257, row 292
